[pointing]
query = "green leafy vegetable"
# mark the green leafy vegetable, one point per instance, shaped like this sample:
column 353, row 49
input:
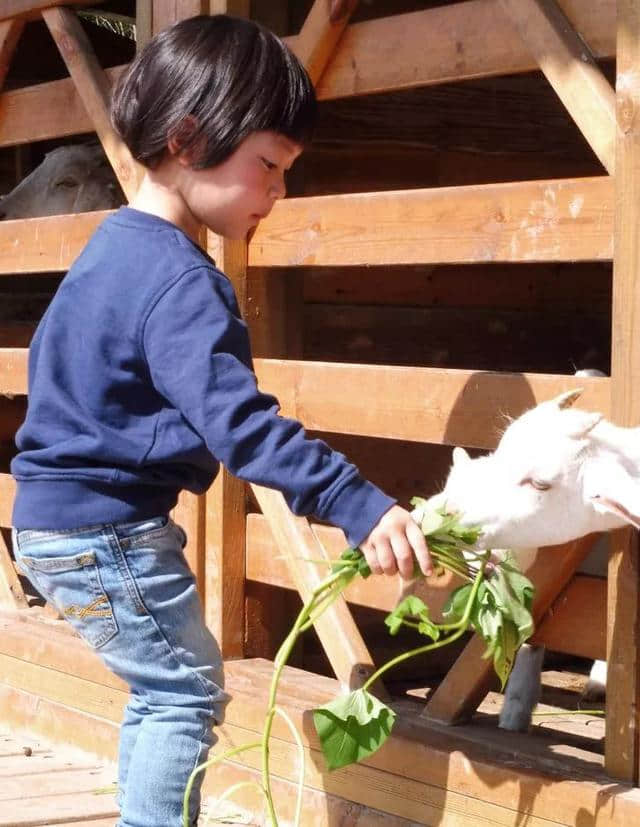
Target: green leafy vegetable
column 352, row 727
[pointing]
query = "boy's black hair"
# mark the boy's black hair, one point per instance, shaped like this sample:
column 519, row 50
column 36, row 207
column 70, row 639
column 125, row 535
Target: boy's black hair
column 210, row 81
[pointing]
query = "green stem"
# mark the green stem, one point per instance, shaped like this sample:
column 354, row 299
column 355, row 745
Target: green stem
column 202, row 767
column 281, row 659
column 460, row 628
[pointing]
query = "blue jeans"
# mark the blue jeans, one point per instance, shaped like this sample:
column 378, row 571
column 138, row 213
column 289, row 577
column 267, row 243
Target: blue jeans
column 128, row 591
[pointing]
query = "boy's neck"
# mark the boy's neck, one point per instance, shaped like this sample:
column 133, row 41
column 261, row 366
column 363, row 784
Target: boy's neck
column 158, row 197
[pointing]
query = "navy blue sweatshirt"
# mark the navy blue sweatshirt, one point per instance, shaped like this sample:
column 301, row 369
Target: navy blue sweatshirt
column 141, row 383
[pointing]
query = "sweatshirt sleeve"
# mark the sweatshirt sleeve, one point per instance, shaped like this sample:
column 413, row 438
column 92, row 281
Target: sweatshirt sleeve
column 197, row 349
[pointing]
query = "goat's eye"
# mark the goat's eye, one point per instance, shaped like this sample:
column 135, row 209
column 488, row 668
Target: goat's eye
column 66, row 183
column 539, row 485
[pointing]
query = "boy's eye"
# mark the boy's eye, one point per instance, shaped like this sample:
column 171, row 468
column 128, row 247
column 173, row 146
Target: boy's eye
column 268, row 164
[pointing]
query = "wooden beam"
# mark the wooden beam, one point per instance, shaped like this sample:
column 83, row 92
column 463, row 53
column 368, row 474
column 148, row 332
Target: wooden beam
column 223, row 552
column 562, row 220
column 168, row 12
column 320, row 34
column 340, row 638
column 40, row 245
column 472, row 676
column 7, row 496
column 10, row 31
column 448, row 44
column 450, row 407
column 466, row 40
column 571, row 69
column 31, row 9
column 94, row 90
column 225, row 540
column 12, row 595
column 622, row 746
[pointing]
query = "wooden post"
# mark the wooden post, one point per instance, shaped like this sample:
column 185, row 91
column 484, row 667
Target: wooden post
column 225, row 545
column 623, row 638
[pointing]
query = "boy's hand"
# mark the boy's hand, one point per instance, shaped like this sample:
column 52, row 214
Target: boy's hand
column 392, row 544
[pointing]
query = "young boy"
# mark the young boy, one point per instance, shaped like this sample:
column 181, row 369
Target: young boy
column 141, row 383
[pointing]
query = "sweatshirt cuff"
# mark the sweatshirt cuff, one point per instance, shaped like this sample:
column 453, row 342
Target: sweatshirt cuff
column 357, row 509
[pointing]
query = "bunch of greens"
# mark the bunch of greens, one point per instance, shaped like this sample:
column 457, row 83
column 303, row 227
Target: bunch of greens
column 495, row 601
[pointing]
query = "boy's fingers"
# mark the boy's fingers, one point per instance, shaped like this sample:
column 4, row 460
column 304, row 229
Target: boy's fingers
column 372, row 558
column 420, row 548
column 404, row 555
column 386, row 557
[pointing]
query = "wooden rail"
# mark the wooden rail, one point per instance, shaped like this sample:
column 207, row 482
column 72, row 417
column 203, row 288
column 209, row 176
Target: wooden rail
column 451, row 407
column 560, row 220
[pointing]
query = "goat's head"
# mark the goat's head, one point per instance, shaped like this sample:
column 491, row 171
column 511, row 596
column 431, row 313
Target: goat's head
column 557, row 474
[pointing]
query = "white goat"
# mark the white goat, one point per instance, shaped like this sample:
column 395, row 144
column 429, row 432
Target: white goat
column 557, row 474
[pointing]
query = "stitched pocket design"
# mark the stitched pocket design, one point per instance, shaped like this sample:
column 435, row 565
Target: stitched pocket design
column 73, row 586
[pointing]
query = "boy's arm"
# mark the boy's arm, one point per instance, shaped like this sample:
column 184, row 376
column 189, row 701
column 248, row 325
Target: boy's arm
column 197, row 349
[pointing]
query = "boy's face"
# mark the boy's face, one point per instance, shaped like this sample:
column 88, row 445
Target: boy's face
column 231, row 198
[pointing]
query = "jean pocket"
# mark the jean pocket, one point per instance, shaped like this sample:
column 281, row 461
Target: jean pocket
column 73, row 585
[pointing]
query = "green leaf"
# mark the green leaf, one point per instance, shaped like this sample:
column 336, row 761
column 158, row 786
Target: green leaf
column 412, row 607
column 456, row 603
column 352, row 727
column 352, row 558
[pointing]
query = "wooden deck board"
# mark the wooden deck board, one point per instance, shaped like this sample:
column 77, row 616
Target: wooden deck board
column 42, row 783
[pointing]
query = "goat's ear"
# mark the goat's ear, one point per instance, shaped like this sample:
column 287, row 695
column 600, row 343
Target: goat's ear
column 581, row 423
column 460, row 456
column 610, row 489
column 566, row 399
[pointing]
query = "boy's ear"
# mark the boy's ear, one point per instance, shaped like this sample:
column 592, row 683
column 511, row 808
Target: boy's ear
column 179, row 138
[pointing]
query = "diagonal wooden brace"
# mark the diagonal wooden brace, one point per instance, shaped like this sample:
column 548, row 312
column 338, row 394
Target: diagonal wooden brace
column 571, row 69
column 94, row 90
column 338, row 633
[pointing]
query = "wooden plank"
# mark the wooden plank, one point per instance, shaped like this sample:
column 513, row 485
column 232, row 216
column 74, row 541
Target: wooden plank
column 94, row 89
column 10, row 31
column 11, row 592
column 67, row 807
column 561, row 220
column 189, row 514
column 576, row 622
column 168, row 12
column 451, row 407
column 465, row 40
column 622, row 747
column 30, row 9
column 37, row 245
column 509, row 776
column 336, row 628
column 320, row 34
column 557, row 220
column 471, row 677
column 13, row 371
column 571, row 69
column 45, row 110
column 59, row 722
column 7, row 495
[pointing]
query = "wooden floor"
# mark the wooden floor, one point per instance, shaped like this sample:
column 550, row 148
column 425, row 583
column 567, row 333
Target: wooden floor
column 42, row 783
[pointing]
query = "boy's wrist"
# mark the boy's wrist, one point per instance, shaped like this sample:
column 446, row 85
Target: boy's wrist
column 357, row 509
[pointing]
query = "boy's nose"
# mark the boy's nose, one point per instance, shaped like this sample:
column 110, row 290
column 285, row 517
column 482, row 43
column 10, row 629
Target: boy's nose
column 278, row 189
